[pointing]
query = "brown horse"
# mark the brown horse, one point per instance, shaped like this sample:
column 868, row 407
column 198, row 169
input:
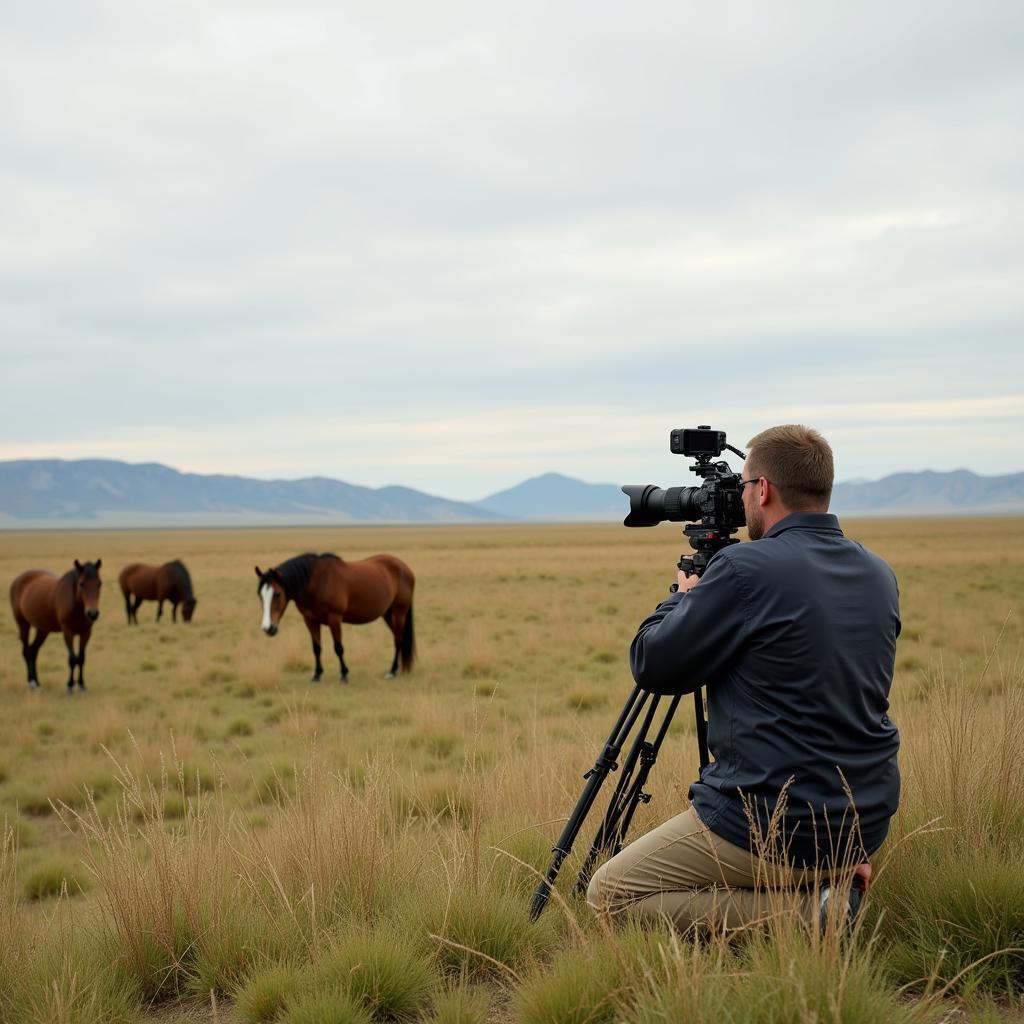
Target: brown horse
column 168, row 582
column 329, row 591
column 68, row 604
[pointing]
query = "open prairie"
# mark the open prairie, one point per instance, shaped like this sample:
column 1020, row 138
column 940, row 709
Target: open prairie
column 206, row 835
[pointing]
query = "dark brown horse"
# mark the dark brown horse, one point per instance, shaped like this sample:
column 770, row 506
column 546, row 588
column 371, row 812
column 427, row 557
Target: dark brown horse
column 167, row 582
column 68, row 604
column 329, row 591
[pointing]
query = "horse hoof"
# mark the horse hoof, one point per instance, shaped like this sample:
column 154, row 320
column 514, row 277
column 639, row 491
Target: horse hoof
column 343, row 679
column 33, row 684
column 390, row 675
column 315, row 679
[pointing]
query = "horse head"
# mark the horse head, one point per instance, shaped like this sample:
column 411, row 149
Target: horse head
column 274, row 598
column 187, row 608
column 87, row 587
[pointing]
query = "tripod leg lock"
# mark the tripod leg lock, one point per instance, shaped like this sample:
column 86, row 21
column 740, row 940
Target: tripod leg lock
column 604, row 764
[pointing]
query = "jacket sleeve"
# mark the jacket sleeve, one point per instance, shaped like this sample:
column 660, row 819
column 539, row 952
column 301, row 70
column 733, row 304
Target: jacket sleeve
column 691, row 636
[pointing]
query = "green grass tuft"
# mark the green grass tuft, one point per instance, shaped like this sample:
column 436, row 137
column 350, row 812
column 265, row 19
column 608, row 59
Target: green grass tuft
column 460, row 1005
column 485, row 935
column 581, row 988
column 266, row 995
column 52, row 877
column 336, row 1007
column 383, row 971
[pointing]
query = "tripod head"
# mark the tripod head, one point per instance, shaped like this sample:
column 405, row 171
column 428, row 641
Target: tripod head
column 706, row 541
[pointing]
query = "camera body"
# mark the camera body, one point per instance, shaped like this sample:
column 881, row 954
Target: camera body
column 714, row 510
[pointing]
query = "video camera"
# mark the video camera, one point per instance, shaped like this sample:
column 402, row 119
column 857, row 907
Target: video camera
column 717, row 503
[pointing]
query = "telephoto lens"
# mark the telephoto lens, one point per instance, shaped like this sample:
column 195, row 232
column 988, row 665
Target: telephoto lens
column 650, row 505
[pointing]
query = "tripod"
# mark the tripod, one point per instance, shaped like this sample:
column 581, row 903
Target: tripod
column 641, row 707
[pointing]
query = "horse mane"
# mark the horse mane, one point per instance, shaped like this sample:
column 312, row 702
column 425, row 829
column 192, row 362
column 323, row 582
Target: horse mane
column 296, row 571
column 182, row 578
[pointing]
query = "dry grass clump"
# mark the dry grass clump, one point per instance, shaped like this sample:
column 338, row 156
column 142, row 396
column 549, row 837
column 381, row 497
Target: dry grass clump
column 954, row 892
column 10, row 919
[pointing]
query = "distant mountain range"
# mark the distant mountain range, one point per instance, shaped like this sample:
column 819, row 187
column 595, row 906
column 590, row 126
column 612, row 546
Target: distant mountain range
column 107, row 493
column 104, row 492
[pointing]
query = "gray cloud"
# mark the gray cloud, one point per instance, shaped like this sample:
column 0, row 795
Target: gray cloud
column 450, row 246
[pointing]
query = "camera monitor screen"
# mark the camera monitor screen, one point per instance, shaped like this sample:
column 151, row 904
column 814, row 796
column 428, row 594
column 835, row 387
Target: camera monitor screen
column 699, row 441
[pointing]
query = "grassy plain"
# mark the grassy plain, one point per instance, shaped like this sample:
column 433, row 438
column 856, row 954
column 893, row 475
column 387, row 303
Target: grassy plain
column 204, row 835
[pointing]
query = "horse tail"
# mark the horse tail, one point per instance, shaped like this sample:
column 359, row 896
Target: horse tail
column 407, row 651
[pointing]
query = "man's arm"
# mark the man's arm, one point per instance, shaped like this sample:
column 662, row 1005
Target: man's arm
column 691, row 636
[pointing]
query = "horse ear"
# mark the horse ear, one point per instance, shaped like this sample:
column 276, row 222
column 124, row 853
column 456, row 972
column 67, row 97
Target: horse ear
column 259, row 572
column 78, row 565
column 99, row 562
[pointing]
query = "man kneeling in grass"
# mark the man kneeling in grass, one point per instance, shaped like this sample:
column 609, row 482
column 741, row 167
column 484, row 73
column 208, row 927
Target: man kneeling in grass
column 794, row 636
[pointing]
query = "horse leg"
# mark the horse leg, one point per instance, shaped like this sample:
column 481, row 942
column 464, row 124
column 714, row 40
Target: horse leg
column 29, row 651
column 69, row 639
column 82, row 641
column 33, row 653
column 334, row 625
column 128, row 606
column 314, row 634
column 159, row 609
column 174, row 611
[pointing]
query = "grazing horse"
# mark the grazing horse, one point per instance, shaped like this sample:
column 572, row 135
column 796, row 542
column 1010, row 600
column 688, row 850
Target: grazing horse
column 329, row 591
column 168, row 582
column 68, row 604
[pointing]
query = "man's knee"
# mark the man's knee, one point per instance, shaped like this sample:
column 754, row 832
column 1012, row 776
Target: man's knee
column 598, row 895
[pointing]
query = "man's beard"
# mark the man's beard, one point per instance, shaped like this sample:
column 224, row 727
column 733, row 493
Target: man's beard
column 755, row 525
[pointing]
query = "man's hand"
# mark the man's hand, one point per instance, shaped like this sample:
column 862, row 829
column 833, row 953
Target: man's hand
column 684, row 582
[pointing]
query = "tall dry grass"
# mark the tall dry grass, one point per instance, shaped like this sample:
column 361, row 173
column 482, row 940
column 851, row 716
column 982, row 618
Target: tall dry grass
column 244, row 830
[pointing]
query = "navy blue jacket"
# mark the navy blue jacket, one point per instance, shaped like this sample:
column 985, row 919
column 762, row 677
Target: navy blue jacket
column 794, row 636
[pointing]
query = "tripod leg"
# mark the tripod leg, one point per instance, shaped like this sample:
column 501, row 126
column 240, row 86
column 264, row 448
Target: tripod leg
column 648, row 758
column 609, row 829
column 605, row 763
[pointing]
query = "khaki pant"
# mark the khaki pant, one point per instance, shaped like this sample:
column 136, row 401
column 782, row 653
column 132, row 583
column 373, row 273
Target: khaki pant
column 682, row 871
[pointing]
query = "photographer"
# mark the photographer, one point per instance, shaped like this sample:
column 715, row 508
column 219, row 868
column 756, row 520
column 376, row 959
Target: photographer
column 794, row 636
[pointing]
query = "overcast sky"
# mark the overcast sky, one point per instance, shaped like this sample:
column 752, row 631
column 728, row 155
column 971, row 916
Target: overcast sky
column 454, row 245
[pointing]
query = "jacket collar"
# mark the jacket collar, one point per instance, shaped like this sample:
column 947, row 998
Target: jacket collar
column 806, row 521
